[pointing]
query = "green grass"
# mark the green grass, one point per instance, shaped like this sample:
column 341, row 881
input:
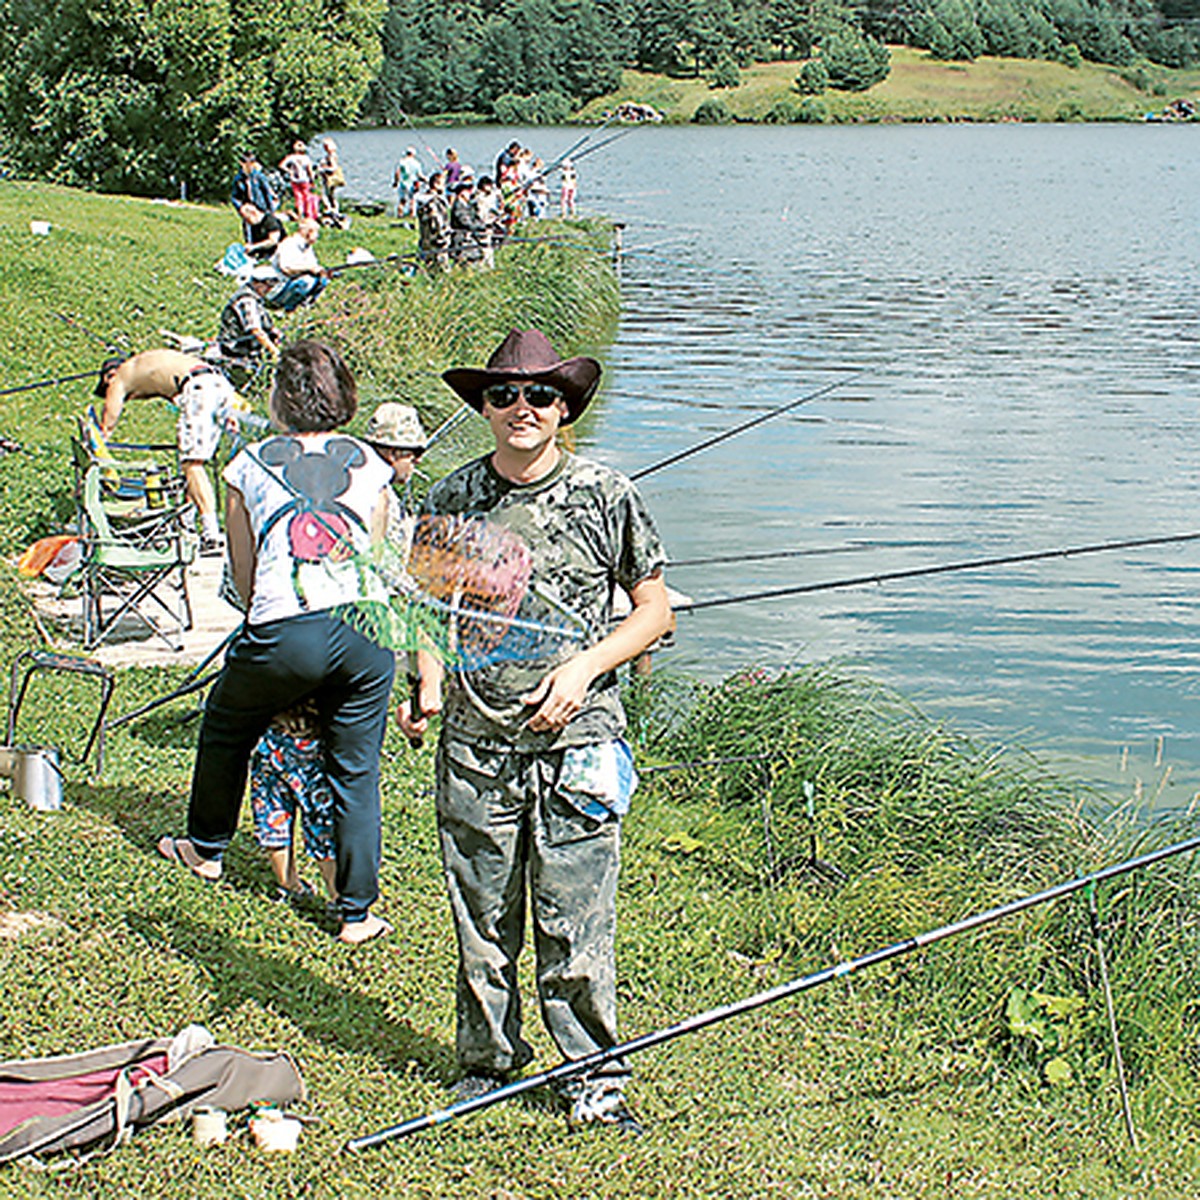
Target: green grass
column 921, row 88
column 904, row 1081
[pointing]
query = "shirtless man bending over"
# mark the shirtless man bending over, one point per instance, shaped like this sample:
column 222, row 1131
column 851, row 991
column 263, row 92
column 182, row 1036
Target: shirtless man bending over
column 205, row 399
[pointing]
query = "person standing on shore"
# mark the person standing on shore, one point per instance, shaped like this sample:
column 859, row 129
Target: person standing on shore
column 251, row 188
column 404, row 180
column 433, row 225
column 569, row 181
column 303, row 504
column 301, row 173
column 532, row 770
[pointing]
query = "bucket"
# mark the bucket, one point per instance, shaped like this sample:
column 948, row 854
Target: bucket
column 36, row 775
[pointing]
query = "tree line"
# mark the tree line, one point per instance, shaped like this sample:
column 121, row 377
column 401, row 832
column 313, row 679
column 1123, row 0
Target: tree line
column 161, row 96
column 539, row 59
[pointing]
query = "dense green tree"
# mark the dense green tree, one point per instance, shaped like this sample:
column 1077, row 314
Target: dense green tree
column 813, row 78
column 791, row 26
column 428, row 60
column 658, row 34
column 547, row 46
column 953, row 32
column 154, row 97
column 1005, row 29
column 854, row 61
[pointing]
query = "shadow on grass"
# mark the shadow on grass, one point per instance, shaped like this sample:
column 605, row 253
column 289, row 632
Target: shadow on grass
column 144, row 819
column 337, row 1017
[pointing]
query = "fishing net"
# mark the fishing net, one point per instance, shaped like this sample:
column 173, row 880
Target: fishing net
column 462, row 592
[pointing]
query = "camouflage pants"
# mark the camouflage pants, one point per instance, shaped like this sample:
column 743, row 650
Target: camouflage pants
column 505, row 830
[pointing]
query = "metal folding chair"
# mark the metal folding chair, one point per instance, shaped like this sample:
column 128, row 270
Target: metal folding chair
column 30, row 662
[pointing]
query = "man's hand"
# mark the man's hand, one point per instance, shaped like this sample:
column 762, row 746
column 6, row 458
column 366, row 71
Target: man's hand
column 429, row 700
column 560, row 694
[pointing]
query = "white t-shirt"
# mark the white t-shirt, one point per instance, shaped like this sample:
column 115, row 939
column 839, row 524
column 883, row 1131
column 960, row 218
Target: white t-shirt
column 296, row 256
column 309, row 498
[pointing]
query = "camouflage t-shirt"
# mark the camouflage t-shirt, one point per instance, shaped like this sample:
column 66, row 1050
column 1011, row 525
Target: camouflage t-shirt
column 588, row 531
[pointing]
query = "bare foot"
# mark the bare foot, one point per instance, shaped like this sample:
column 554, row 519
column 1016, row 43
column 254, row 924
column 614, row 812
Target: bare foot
column 354, row 933
column 182, row 852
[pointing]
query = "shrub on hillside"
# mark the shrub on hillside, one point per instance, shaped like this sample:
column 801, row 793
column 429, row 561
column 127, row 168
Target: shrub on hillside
column 712, row 112
column 725, row 74
column 541, row 108
column 808, row 111
column 1071, row 56
column 813, row 78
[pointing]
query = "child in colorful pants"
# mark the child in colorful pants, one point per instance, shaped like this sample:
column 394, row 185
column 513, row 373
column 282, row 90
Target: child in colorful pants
column 287, row 777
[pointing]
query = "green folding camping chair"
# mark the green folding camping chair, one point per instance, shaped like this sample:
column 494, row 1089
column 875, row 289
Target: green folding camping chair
column 137, row 572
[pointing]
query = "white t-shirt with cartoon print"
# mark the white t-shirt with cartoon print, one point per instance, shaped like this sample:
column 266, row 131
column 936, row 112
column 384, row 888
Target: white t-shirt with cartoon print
column 309, row 498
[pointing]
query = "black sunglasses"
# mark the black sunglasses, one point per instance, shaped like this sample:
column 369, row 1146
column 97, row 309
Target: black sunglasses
column 505, row 395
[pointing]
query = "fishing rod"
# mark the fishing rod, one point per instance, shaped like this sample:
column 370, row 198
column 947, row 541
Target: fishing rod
column 582, row 1066
column 728, row 433
column 387, row 260
column 41, row 383
column 452, row 422
column 557, row 164
column 587, row 137
column 972, row 564
column 194, row 682
column 608, row 141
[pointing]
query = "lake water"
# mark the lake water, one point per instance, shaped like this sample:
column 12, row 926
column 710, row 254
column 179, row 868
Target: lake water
column 1009, row 312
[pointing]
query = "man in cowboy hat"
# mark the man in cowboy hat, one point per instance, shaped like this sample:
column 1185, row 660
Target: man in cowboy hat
column 532, row 772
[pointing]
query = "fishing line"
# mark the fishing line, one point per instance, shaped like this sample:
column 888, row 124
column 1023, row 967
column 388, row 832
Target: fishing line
column 769, row 555
column 975, row 564
column 728, row 433
column 437, row 162
column 589, row 1062
column 109, row 345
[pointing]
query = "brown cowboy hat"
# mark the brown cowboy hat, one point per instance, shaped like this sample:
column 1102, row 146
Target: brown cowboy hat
column 528, row 354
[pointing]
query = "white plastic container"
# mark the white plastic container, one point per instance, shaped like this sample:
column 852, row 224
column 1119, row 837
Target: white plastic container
column 275, row 1132
column 209, row 1126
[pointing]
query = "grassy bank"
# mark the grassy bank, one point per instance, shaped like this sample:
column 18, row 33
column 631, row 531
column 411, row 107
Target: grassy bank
column 921, row 88
column 979, row 1067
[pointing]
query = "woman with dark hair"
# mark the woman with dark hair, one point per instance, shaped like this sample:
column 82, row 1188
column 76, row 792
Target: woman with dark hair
column 302, row 506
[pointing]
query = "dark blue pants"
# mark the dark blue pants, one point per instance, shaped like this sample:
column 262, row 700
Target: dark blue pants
column 268, row 668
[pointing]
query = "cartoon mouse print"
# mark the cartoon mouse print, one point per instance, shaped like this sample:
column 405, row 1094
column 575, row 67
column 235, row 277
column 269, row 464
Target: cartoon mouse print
column 319, row 533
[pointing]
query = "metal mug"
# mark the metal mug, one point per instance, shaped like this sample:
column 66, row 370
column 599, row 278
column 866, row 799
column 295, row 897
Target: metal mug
column 36, row 775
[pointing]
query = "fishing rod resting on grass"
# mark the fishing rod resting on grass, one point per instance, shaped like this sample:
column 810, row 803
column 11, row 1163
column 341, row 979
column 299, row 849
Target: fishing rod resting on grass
column 581, row 1066
column 41, row 383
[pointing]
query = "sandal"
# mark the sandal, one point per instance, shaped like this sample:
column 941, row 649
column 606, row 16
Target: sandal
column 302, row 893
column 169, row 848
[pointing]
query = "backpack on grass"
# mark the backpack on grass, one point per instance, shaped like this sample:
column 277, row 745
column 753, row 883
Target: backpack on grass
column 97, row 1100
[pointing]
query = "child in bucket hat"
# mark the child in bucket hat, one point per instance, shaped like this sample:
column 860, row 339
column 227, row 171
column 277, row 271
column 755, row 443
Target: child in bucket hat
column 396, row 427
